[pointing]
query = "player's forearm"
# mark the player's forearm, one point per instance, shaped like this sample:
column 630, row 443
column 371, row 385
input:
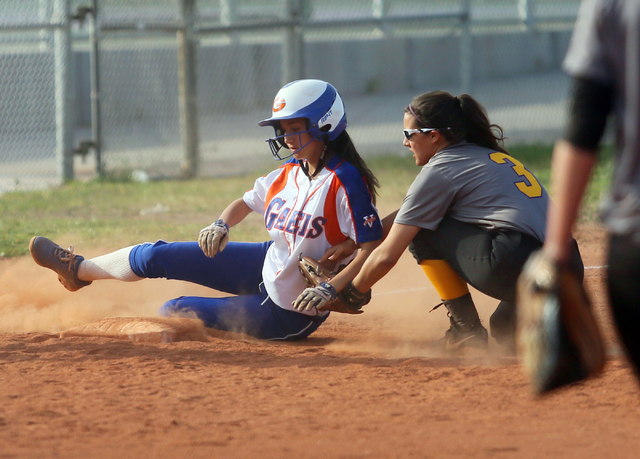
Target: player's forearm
column 374, row 269
column 235, row 212
column 571, row 170
column 342, row 279
column 385, row 256
column 387, row 222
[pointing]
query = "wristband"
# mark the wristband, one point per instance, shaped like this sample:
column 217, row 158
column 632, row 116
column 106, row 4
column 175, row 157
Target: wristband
column 220, row 222
column 330, row 288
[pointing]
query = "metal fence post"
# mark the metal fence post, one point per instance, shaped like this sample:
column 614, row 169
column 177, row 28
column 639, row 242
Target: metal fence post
column 293, row 45
column 380, row 9
column 63, row 90
column 96, row 121
column 466, row 52
column 187, row 89
column 228, row 11
column 526, row 14
column 229, row 16
column 44, row 15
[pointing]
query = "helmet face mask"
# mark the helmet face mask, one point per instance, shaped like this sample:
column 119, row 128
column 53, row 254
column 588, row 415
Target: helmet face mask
column 314, row 100
column 277, row 143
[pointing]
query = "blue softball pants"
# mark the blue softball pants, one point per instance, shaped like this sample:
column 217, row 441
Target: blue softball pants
column 236, row 270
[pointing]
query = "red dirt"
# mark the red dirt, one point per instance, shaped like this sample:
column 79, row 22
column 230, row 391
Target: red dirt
column 361, row 386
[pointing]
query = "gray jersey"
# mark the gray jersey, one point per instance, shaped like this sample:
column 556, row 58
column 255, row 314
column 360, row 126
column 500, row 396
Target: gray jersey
column 476, row 185
column 606, row 47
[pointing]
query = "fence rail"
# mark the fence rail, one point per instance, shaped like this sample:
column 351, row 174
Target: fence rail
column 176, row 90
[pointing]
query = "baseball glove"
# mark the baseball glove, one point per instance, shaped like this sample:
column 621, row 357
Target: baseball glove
column 557, row 337
column 348, row 301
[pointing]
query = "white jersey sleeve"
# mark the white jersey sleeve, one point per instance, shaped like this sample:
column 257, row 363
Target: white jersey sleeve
column 255, row 197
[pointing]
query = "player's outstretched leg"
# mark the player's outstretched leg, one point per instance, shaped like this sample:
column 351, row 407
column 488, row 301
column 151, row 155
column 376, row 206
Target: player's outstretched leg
column 466, row 329
column 63, row 261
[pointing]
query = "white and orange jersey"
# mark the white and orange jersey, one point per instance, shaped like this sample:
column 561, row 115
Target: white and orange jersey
column 307, row 216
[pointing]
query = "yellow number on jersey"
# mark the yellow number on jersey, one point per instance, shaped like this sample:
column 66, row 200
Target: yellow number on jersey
column 533, row 188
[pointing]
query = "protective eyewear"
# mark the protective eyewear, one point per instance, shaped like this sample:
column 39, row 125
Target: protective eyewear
column 408, row 133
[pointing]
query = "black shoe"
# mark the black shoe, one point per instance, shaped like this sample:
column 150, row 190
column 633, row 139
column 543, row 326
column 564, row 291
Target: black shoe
column 503, row 326
column 459, row 337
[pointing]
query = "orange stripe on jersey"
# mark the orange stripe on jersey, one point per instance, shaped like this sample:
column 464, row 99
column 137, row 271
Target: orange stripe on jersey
column 278, row 184
column 332, row 226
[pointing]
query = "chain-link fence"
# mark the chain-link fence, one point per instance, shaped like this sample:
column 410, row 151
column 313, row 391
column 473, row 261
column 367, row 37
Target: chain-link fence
column 165, row 88
column 32, row 51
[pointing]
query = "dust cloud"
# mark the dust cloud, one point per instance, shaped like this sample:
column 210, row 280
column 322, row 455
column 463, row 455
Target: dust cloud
column 400, row 319
column 397, row 323
column 32, row 299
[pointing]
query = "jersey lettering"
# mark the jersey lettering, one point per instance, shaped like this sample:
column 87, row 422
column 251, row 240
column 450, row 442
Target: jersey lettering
column 532, row 189
column 303, row 229
column 272, row 212
column 369, row 220
column 292, row 226
column 282, row 219
column 317, row 227
column 292, row 222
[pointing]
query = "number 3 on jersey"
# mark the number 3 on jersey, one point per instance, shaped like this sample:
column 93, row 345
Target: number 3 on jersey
column 533, row 189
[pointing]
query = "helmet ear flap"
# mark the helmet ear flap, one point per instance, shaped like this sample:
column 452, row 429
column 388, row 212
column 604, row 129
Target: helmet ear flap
column 334, row 120
column 325, row 132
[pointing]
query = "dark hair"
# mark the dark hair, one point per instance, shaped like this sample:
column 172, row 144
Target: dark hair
column 343, row 147
column 457, row 118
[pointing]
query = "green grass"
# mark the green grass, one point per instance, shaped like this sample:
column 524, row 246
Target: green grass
column 112, row 214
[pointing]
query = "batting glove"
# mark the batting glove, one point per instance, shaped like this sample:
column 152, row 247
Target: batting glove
column 314, row 297
column 214, row 238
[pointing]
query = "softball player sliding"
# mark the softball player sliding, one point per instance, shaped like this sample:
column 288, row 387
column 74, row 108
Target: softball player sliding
column 472, row 216
column 320, row 203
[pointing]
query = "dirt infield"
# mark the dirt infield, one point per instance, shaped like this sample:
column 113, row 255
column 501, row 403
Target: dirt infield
column 361, row 387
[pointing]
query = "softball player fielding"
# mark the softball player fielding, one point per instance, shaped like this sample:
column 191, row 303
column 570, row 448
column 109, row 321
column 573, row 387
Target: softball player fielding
column 471, row 217
column 318, row 203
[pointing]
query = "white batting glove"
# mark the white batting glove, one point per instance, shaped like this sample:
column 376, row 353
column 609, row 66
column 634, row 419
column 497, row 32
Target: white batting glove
column 214, row 238
column 314, row 297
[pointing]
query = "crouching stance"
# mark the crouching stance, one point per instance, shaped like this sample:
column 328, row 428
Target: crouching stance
column 472, row 216
column 319, row 203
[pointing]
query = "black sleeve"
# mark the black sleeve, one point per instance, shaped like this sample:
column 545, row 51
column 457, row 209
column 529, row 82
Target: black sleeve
column 591, row 102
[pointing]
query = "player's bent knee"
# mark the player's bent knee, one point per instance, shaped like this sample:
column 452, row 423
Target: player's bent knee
column 177, row 307
column 168, row 309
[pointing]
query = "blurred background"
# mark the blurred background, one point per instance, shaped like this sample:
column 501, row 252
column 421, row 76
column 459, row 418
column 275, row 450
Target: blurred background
column 175, row 88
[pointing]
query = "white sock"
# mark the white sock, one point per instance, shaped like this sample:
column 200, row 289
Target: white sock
column 114, row 265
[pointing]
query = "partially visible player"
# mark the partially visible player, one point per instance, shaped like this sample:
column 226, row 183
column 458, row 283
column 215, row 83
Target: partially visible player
column 319, row 203
column 604, row 62
column 471, row 217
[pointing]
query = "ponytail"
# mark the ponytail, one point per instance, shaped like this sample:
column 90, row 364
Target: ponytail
column 479, row 129
column 457, row 119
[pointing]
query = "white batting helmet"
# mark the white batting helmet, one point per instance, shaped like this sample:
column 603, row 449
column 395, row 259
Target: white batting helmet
column 315, row 100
